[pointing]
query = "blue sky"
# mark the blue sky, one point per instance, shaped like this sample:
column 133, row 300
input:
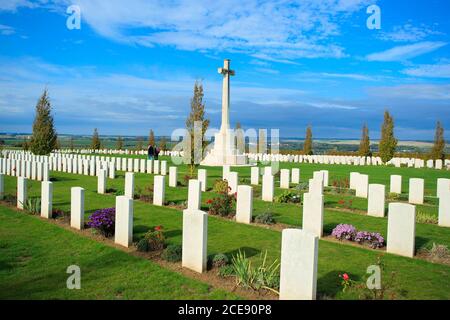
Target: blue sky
column 133, row 64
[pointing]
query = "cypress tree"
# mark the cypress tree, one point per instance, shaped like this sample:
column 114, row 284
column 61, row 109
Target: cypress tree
column 43, row 140
column 96, row 143
column 151, row 138
column 388, row 143
column 437, row 152
column 307, row 145
column 364, row 145
column 197, row 114
column 119, row 143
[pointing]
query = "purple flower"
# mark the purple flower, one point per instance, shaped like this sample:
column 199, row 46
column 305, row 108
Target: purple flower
column 374, row 239
column 344, row 231
column 103, row 220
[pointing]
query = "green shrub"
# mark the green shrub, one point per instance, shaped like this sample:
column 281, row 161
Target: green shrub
column 172, row 253
column 263, row 277
column 220, row 260
column 155, row 239
column 424, row 217
column 265, row 218
column 222, row 205
column 32, row 205
column 221, row 186
column 288, row 197
column 438, row 252
column 226, row 271
column 394, row 196
column 142, row 245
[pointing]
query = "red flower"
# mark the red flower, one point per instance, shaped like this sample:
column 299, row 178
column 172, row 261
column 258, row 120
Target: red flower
column 209, row 201
column 345, row 277
column 158, row 228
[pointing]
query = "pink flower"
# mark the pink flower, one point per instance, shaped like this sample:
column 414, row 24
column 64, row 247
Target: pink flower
column 345, row 277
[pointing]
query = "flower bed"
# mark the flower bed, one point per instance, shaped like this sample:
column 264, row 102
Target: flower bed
column 349, row 233
column 104, row 221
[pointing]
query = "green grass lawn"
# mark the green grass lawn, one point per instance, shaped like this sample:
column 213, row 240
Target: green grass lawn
column 35, row 254
column 419, row 279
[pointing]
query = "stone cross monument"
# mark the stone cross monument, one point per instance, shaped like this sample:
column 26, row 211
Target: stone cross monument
column 224, row 151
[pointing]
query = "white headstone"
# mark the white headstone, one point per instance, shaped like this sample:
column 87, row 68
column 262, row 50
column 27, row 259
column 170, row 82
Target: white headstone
column 254, row 176
column 376, row 200
column 244, row 204
column 194, row 195
column 101, row 181
column 123, row 233
column 284, row 178
column 353, row 180
column 315, row 186
column 202, row 176
column 77, row 208
column 444, row 209
column 21, row 192
column 2, row 186
column 396, row 184
column 401, row 229
column 173, row 176
column 416, row 190
column 362, row 185
column 163, row 168
column 155, row 166
column 142, row 164
column 129, row 185
column 149, row 166
column 46, row 199
column 443, row 187
column 233, row 181
column 267, row 187
column 313, row 213
column 298, row 271
column 159, row 190
column 195, row 239
column 296, row 175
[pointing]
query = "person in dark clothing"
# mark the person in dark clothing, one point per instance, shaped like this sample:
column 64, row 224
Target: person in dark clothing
column 156, row 153
column 150, row 152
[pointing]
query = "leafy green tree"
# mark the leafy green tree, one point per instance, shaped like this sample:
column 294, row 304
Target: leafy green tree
column 364, row 145
column 388, row 142
column 197, row 114
column 96, row 143
column 437, row 152
column 307, row 145
column 119, row 143
column 151, row 138
column 43, row 140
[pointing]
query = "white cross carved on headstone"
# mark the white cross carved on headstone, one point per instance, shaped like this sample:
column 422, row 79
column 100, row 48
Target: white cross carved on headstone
column 226, row 72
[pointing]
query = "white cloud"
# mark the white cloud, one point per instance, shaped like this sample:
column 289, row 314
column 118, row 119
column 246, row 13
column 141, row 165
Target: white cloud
column 278, row 31
column 6, row 30
column 408, row 33
column 401, row 53
column 413, row 92
column 327, row 105
column 429, row 71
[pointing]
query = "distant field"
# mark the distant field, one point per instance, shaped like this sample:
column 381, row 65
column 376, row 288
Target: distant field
column 321, row 146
